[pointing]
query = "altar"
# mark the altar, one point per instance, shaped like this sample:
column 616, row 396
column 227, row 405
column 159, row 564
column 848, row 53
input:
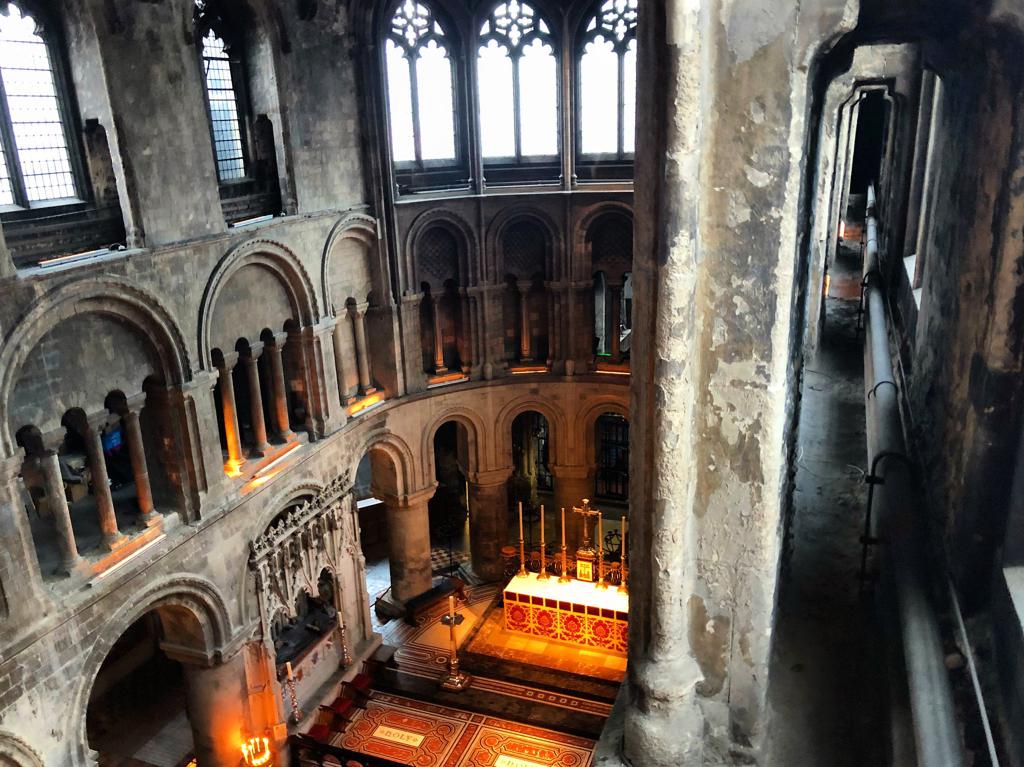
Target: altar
column 574, row 611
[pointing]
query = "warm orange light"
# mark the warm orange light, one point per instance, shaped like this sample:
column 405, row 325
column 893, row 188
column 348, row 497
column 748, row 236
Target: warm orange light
column 256, row 752
column 366, row 403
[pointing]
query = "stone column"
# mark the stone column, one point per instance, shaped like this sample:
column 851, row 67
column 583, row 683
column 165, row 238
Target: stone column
column 488, row 521
column 60, row 514
column 409, row 543
column 435, row 312
column 340, row 328
column 252, row 373
column 279, row 393
column 216, row 698
column 22, row 596
column 229, row 412
column 572, row 485
column 112, row 537
column 137, row 454
column 358, row 315
column 615, row 289
column 523, row 286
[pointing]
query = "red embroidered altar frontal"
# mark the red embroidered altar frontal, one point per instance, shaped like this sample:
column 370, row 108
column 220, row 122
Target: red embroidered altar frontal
column 576, row 612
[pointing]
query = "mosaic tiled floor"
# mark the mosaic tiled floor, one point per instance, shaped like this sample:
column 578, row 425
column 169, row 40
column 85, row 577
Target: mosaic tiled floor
column 428, row 735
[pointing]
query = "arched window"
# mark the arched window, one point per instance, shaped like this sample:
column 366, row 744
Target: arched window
column 225, row 89
column 517, row 81
column 420, row 84
column 38, row 160
column 607, row 82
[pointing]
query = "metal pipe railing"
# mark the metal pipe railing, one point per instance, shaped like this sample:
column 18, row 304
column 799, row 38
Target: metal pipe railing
column 896, row 522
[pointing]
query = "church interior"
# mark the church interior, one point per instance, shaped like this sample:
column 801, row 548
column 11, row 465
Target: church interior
column 511, row 383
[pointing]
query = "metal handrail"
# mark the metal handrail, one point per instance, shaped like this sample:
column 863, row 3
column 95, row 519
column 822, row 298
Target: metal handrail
column 900, row 529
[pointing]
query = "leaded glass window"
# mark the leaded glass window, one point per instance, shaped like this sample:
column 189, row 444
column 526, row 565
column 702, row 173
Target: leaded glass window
column 612, row 480
column 421, row 96
column 607, row 81
column 517, row 79
column 225, row 88
column 36, row 149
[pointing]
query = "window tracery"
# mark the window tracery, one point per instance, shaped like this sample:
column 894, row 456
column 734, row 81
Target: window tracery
column 607, row 81
column 36, row 159
column 517, row 78
column 420, row 83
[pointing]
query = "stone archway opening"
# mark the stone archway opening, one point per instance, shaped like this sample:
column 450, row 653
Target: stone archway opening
column 450, row 529
column 137, row 711
column 532, row 483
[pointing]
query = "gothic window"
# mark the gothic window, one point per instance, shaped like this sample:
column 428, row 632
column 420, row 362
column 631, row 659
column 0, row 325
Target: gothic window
column 607, row 82
column 517, row 80
column 225, row 89
column 38, row 162
column 420, row 86
column 612, row 457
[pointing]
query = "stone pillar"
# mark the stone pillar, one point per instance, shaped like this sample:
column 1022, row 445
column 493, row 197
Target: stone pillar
column 409, row 543
column 488, row 521
column 112, row 537
column 60, row 514
column 715, row 345
column 615, row 289
column 435, row 316
column 229, row 412
column 572, row 485
column 137, row 454
column 216, row 702
column 340, row 329
column 358, row 315
column 279, row 392
column 525, row 353
column 580, row 331
column 22, row 595
column 252, row 373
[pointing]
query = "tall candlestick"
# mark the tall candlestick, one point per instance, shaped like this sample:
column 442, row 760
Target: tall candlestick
column 600, row 553
column 543, row 554
column 622, row 585
column 522, row 545
column 564, row 577
column 288, row 669
column 467, row 495
column 451, row 605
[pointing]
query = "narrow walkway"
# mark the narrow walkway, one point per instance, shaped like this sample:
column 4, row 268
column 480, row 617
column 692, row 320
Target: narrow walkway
column 820, row 689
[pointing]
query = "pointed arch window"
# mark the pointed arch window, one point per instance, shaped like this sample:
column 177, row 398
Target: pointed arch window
column 420, row 85
column 607, row 83
column 224, row 83
column 517, row 81
column 39, row 157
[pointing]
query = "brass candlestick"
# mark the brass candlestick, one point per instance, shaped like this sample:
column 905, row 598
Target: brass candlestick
column 600, row 554
column 522, row 546
column 622, row 585
column 564, row 577
column 453, row 679
column 543, row 574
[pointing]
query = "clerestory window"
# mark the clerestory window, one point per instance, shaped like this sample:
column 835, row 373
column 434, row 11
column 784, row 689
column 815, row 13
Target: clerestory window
column 607, row 83
column 420, row 83
column 517, row 81
column 225, row 87
column 38, row 151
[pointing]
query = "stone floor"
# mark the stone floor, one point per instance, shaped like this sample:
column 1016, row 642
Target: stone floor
column 823, row 673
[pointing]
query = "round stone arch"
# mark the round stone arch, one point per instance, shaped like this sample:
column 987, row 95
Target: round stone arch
column 475, row 430
column 14, row 752
column 582, row 263
column 192, row 606
column 557, row 428
column 354, row 226
column 586, row 424
column 465, row 238
column 283, row 265
column 111, row 297
column 553, row 266
column 399, row 453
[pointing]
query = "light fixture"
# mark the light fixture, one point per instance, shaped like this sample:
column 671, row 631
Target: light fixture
column 256, row 752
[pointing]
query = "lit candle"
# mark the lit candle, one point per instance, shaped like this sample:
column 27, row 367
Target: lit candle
column 563, row 525
column 467, row 495
column 599, row 539
column 288, row 669
column 451, row 605
column 542, row 529
column 623, row 533
column 520, row 520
